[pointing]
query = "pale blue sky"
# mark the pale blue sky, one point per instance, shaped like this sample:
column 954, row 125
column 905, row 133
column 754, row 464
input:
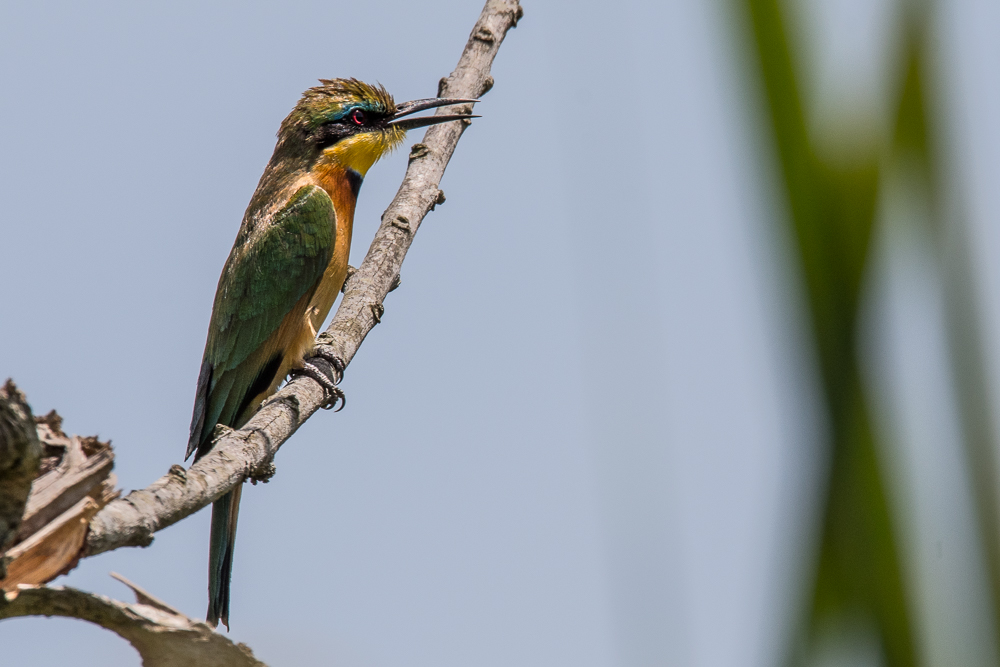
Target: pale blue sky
column 585, row 432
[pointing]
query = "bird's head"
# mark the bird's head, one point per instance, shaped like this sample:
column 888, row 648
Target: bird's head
column 353, row 124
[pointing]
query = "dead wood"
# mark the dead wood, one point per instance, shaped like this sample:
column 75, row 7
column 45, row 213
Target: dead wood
column 71, row 482
column 163, row 636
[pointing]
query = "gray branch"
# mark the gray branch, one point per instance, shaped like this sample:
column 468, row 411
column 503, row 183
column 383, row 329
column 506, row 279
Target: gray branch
column 248, row 452
column 163, row 636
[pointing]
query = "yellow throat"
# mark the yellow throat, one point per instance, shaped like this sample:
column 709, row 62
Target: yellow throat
column 361, row 151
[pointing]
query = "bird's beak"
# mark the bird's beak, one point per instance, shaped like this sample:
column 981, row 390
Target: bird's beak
column 407, row 108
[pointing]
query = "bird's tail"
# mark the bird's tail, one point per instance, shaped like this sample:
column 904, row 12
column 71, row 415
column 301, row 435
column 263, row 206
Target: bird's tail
column 225, row 512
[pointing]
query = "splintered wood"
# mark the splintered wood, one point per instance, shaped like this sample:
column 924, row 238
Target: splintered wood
column 75, row 482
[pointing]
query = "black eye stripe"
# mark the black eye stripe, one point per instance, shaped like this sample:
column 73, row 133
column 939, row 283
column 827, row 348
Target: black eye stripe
column 355, row 121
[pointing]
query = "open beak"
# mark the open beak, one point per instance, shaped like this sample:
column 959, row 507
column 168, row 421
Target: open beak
column 407, row 108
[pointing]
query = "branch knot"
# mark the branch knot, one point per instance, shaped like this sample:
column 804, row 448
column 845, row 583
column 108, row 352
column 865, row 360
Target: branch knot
column 400, row 222
column 418, row 151
column 483, row 34
column 439, row 199
column 263, row 472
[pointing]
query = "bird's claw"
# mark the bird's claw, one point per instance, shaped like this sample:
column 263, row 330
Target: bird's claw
column 334, row 396
column 328, row 372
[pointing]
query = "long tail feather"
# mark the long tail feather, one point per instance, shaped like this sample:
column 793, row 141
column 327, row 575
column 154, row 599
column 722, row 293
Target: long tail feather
column 225, row 512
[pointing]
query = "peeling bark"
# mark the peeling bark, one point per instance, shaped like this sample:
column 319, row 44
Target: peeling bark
column 74, row 484
column 20, row 458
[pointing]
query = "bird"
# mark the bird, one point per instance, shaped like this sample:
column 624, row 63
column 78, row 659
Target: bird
column 285, row 270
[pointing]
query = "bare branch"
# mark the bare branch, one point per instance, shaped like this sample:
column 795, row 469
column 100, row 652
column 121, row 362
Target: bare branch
column 238, row 455
column 163, row 636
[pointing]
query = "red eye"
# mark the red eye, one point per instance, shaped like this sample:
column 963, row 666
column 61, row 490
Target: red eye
column 358, row 117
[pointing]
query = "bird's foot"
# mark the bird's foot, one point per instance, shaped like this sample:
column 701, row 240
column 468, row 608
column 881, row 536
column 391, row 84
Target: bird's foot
column 328, row 371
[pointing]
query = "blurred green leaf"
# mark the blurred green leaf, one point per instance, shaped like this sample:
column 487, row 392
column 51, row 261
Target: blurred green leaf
column 832, row 214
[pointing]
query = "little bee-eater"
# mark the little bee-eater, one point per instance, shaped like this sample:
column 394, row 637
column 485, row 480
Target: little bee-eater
column 285, row 270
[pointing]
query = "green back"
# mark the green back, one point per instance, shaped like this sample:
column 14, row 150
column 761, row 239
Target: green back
column 272, row 266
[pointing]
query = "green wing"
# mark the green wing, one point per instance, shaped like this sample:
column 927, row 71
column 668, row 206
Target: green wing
column 268, row 271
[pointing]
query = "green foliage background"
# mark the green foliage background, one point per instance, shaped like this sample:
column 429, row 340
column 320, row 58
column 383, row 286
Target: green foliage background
column 833, row 204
